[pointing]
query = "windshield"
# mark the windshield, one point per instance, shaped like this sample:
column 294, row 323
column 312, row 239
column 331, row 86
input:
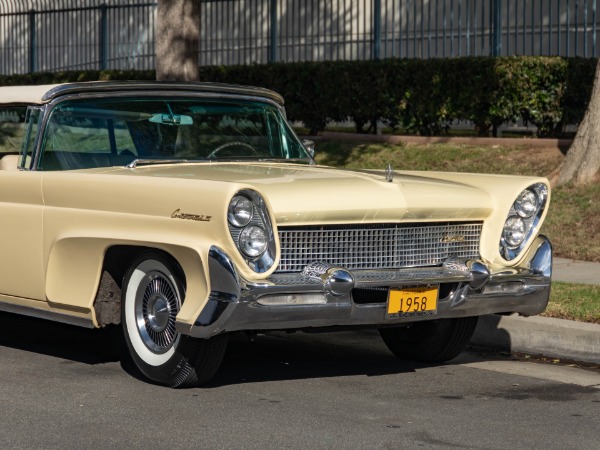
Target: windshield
column 115, row 132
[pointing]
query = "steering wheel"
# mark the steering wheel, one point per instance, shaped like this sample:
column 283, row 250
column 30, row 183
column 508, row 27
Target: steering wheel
column 221, row 147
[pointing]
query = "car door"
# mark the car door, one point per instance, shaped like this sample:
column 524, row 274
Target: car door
column 21, row 206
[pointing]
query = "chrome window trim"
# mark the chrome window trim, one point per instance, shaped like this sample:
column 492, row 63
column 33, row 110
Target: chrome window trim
column 36, row 144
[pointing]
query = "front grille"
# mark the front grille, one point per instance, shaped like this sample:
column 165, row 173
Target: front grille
column 379, row 246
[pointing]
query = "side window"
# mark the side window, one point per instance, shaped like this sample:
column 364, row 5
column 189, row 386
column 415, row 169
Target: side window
column 32, row 120
column 85, row 137
column 12, row 126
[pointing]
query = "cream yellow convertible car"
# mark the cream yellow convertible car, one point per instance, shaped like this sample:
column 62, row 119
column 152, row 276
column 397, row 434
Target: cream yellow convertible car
column 187, row 212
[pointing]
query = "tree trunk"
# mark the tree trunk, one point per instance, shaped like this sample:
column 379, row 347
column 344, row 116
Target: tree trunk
column 177, row 35
column 582, row 163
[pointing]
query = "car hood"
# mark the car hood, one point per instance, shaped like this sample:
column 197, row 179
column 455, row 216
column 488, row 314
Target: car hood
column 300, row 194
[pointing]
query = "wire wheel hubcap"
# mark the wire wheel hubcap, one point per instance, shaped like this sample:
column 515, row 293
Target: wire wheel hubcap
column 157, row 305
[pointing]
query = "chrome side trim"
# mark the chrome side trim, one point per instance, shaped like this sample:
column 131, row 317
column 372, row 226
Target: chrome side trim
column 48, row 315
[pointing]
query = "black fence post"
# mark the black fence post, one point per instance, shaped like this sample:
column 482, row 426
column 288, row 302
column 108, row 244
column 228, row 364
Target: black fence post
column 497, row 28
column 103, row 37
column 273, row 33
column 376, row 29
column 32, row 42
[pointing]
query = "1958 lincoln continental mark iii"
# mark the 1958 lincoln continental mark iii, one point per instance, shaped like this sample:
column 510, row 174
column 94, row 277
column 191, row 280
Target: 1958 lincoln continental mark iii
column 185, row 212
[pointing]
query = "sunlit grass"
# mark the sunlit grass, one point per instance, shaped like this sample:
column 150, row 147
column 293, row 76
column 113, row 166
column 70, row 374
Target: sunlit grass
column 579, row 302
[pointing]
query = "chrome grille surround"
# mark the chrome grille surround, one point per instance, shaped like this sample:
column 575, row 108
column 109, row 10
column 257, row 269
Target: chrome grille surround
column 377, row 246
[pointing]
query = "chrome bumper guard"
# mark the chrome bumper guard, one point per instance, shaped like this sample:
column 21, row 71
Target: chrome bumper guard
column 321, row 296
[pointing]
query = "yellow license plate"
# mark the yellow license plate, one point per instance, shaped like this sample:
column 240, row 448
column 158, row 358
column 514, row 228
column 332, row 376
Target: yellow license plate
column 412, row 301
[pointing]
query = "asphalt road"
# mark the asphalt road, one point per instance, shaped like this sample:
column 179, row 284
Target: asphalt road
column 64, row 387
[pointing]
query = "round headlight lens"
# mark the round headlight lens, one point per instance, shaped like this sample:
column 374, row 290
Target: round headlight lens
column 526, row 204
column 253, row 241
column 240, row 211
column 514, row 231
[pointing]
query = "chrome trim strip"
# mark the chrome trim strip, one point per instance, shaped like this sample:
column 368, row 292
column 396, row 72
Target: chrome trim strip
column 48, row 315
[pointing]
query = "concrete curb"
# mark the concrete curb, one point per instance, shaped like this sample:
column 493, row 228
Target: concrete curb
column 546, row 336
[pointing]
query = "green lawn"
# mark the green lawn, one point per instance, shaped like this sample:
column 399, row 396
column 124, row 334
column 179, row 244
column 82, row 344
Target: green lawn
column 579, row 302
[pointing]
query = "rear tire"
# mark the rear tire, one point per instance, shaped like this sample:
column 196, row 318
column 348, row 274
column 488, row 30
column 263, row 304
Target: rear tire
column 431, row 341
column 152, row 297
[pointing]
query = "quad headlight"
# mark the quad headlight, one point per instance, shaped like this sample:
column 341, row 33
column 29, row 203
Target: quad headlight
column 527, row 203
column 514, row 231
column 253, row 241
column 251, row 230
column 240, row 211
column 523, row 220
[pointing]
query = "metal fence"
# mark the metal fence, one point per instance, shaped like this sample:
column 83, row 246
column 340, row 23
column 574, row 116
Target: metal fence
column 44, row 35
column 74, row 35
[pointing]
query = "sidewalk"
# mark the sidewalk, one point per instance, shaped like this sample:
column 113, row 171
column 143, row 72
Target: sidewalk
column 558, row 338
column 571, row 271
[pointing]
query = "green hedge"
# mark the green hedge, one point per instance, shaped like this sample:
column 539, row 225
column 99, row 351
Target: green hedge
column 422, row 96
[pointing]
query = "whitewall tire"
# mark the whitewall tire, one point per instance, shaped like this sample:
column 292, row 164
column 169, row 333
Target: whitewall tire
column 152, row 296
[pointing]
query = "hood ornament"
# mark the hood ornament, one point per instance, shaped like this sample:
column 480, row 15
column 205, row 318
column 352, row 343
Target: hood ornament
column 389, row 173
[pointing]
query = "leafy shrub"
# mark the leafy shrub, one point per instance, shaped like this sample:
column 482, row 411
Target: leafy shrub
column 422, row 96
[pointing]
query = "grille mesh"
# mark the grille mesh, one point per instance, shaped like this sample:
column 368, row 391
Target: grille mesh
column 385, row 246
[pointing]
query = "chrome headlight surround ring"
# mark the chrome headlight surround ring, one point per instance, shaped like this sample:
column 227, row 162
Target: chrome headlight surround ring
column 532, row 222
column 260, row 218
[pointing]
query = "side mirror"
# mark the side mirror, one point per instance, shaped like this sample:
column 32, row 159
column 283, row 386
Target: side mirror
column 309, row 146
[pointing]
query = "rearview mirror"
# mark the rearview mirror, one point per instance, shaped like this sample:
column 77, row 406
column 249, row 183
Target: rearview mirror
column 171, row 119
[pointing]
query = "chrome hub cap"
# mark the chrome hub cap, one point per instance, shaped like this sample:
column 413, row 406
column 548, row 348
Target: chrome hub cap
column 157, row 304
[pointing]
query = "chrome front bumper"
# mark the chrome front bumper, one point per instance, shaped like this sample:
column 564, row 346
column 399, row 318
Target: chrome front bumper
column 322, row 296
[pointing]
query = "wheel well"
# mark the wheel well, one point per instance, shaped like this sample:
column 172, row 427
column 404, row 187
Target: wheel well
column 117, row 260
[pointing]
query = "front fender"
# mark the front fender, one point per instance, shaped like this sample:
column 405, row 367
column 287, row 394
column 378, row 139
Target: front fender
column 75, row 267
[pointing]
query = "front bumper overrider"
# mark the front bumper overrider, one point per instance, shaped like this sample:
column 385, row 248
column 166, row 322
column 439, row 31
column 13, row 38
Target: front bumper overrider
column 322, row 296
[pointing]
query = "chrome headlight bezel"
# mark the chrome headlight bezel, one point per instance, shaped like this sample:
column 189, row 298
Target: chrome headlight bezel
column 259, row 261
column 530, row 219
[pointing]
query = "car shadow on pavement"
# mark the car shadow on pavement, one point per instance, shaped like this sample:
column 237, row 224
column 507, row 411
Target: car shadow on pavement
column 59, row 340
column 268, row 357
column 290, row 356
